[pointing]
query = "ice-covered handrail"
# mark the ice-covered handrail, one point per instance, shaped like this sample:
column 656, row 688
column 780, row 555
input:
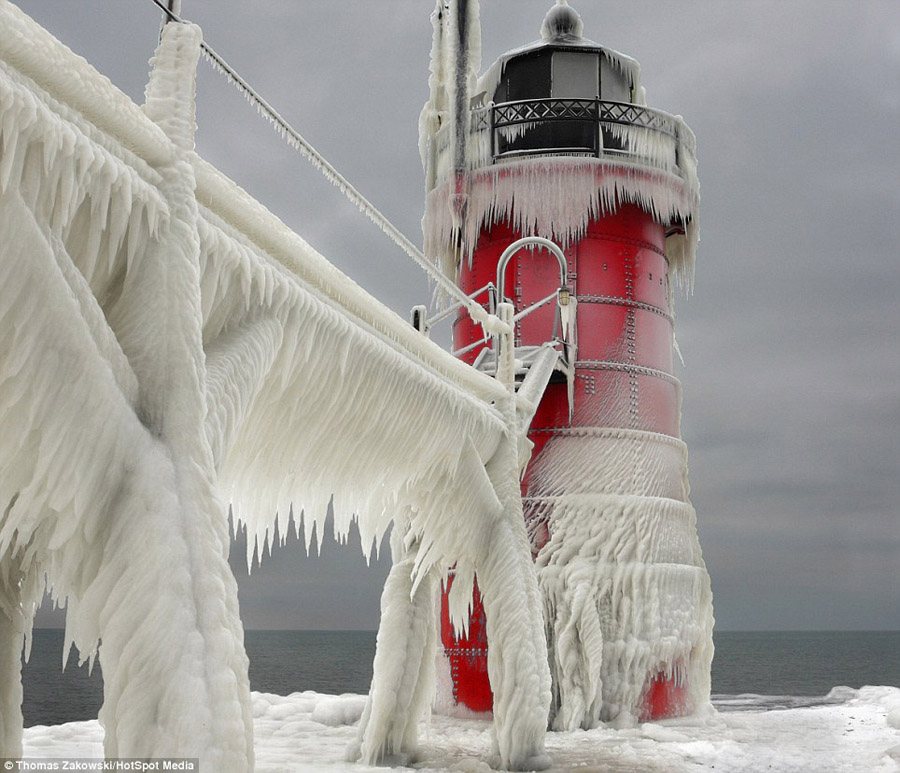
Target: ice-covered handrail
column 227, row 200
column 531, row 241
column 296, row 140
column 442, row 315
column 32, row 50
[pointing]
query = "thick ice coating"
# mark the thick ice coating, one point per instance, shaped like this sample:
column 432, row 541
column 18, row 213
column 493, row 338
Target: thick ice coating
column 626, row 595
column 171, row 349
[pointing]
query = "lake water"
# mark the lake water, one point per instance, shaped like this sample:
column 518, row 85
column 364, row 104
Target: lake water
column 803, row 664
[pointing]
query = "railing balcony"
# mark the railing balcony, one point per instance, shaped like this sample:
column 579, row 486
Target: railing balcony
column 594, row 128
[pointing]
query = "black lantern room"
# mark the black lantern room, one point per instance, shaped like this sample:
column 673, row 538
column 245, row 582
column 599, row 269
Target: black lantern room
column 553, row 87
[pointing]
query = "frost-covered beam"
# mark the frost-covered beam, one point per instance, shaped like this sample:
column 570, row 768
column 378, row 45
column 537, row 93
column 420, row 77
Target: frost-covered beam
column 34, row 52
column 464, row 60
column 517, row 654
column 202, row 696
column 355, row 404
column 237, row 364
column 104, row 338
column 517, row 662
column 271, row 237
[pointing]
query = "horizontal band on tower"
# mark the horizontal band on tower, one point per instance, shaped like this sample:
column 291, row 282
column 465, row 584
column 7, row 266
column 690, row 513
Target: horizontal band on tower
column 614, row 300
column 466, row 652
column 613, row 433
column 624, row 367
column 599, row 499
column 640, row 244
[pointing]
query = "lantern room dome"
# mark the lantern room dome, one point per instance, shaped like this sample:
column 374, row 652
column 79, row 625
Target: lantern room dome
column 562, row 23
column 563, row 64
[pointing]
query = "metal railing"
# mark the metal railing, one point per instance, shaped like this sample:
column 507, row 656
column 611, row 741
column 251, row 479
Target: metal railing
column 581, row 127
column 562, row 334
column 548, row 126
column 592, row 110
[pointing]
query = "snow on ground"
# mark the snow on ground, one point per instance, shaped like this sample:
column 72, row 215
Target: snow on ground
column 849, row 730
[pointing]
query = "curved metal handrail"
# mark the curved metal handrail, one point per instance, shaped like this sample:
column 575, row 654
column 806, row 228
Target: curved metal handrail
column 537, row 241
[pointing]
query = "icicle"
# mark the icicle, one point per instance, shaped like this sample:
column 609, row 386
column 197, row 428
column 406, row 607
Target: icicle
column 567, row 313
column 678, row 351
column 557, row 197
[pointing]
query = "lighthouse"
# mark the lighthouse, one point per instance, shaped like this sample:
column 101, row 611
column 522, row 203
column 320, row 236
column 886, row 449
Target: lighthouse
column 555, row 142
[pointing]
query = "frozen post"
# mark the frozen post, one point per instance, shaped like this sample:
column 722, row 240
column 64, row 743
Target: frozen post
column 17, row 603
column 517, row 658
column 195, row 687
column 174, row 9
column 109, row 480
column 506, row 349
column 403, row 671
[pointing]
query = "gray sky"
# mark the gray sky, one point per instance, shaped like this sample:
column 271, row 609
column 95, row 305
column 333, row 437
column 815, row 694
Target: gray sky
column 792, row 384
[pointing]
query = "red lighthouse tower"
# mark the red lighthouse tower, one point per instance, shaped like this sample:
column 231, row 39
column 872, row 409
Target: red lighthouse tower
column 555, row 140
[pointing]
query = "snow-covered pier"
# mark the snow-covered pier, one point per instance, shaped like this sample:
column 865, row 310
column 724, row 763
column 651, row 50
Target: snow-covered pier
column 171, row 349
column 843, row 732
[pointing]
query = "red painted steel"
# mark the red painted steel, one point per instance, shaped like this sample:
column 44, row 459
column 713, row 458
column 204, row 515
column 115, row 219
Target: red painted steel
column 663, row 697
column 467, row 655
column 620, row 276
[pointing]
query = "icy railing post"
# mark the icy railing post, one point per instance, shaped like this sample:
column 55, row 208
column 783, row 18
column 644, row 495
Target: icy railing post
column 174, row 667
column 506, row 352
column 517, row 650
column 174, row 9
column 419, row 318
column 14, row 625
column 403, row 670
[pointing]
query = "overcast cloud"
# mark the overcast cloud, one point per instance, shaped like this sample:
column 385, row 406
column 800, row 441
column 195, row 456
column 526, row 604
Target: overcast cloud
column 792, row 384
